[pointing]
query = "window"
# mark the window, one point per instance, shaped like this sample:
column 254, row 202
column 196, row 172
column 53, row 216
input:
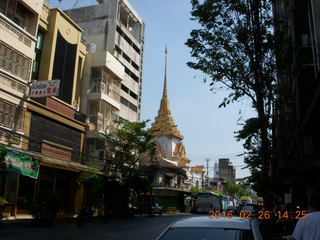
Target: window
column 36, row 63
column 14, row 62
column 10, row 115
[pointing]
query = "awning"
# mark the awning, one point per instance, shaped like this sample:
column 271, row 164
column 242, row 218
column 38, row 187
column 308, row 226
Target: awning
column 66, row 165
column 54, row 162
column 37, row 156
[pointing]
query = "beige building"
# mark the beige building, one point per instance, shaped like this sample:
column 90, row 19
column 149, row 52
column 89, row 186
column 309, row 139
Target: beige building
column 47, row 45
column 18, row 36
column 18, row 32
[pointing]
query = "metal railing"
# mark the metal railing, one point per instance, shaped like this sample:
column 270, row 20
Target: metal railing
column 105, row 87
column 102, row 124
column 22, row 37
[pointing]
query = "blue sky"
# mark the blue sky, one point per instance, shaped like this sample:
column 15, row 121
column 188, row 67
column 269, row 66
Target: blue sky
column 208, row 131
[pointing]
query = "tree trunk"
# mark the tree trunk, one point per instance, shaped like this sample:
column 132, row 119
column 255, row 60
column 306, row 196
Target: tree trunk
column 257, row 69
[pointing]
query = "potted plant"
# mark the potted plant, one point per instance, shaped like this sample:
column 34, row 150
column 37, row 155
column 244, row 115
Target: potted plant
column 2, row 203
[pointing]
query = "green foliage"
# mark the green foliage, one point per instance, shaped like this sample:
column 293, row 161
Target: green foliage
column 131, row 140
column 242, row 47
column 2, row 201
column 140, row 183
column 92, row 180
column 195, row 191
column 45, row 211
column 218, row 192
column 225, row 47
column 3, row 153
column 235, row 189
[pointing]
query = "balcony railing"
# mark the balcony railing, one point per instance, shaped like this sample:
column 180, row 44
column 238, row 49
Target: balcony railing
column 103, row 86
column 102, row 124
column 5, row 23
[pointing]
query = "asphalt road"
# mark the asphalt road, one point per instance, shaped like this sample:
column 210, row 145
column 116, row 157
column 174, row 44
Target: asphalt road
column 137, row 228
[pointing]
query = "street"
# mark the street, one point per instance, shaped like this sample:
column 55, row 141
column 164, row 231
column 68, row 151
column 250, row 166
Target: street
column 139, row 227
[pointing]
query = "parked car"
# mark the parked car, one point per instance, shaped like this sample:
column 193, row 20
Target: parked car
column 145, row 209
column 252, row 209
column 217, row 228
column 157, row 209
column 235, row 210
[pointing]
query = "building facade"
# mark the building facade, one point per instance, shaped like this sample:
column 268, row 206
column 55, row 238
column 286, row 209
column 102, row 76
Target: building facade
column 112, row 77
column 18, row 37
column 295, row 170
column 227, row 172
column 54, row 129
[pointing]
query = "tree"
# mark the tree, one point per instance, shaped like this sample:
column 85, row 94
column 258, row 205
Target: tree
column 232, row 189
column 235, row 47
column 131, row 141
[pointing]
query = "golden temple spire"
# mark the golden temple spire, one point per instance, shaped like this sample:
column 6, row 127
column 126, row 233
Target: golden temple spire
column 164, row 124
column 165, row 94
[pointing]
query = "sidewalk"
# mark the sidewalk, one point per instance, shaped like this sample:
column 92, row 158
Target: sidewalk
column 26, row 220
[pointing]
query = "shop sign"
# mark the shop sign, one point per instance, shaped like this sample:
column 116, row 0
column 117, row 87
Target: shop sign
column 45, row 88
column 22, row 164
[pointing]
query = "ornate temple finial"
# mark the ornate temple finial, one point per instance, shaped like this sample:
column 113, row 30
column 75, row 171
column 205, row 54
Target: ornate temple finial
column 165, row 75
column 164, row 121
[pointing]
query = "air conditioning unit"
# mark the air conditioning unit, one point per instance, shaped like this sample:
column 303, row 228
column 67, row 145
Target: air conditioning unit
column 91, row 47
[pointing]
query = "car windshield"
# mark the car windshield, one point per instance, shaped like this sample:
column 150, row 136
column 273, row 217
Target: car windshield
column 206, row 234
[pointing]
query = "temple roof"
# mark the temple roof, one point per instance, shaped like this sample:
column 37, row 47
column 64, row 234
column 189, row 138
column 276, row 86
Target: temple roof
column 164, row 123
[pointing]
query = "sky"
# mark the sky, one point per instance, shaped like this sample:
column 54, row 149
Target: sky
column 208, row 130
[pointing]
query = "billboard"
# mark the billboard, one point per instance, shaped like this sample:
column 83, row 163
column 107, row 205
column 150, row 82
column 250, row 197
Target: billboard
column 45, row 88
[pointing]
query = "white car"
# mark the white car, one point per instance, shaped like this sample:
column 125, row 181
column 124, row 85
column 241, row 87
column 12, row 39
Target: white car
column 204, row 228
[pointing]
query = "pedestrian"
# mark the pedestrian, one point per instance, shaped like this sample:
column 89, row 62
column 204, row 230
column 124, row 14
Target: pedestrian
column 308, row 227
column 287, row 220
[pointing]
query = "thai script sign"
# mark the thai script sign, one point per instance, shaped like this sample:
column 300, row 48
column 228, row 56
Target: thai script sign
column 23, row 164
column 45, row 88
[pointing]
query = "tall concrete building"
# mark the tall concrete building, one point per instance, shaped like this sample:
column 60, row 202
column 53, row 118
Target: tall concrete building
column 295, row 171
column 227, row 172
column 112, row 78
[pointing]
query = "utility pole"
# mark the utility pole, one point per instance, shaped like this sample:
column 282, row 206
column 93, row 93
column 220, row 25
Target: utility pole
column 207, row 180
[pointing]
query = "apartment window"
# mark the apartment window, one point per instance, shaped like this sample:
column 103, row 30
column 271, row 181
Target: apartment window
column 131, row 74
column 135, row 65
column 118, row 50
column 128, row 40
column 11, row 116
column 14, row 62
column 128, row 104
column 132, row 94
column 124, row 88
column 64, row 67
column 36, row 63
column 126, row 57
column 14, row 10
column 2, row 6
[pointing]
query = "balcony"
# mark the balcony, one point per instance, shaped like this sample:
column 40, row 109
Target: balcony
column 107, row 60
column 100, row 88
column 16, row 36
column 101, row 124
